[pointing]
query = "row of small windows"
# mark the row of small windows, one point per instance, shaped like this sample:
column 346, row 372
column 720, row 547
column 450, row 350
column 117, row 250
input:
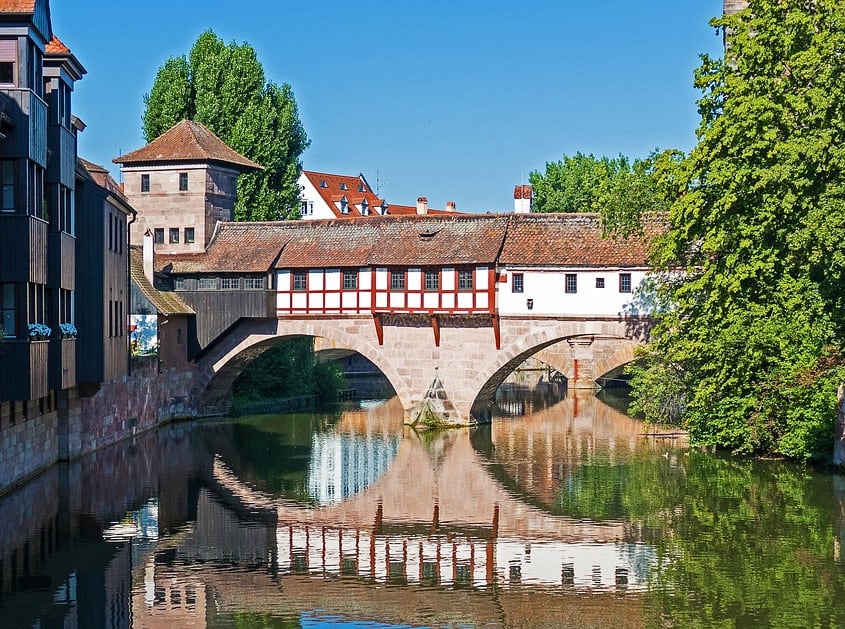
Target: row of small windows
column 397, row 280
column 219, row 283
column 343, row 186
column 571, row 283
column 173, row 234
column 183, row 182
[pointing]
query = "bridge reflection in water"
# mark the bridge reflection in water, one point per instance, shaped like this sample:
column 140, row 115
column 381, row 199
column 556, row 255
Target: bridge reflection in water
column 419, row 512
column 382, row 524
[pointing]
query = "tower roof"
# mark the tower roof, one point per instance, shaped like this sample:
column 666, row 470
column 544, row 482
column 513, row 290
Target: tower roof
column 188, row 141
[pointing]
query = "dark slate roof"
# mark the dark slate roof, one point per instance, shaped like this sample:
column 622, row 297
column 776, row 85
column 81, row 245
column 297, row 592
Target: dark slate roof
column 188, row 141
column 166, row 302
column 573, row 240
column 397, row 241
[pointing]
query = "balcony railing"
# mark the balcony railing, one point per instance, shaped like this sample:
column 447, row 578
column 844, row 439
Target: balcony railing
column 23, row 249
column 25, row 373
column 28, row 135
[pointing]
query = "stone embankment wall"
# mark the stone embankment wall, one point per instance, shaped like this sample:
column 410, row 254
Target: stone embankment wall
column 80, row 425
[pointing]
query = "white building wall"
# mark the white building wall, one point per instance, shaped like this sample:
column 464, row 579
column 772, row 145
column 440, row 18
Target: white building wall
column 546, row 289
column 318, row 208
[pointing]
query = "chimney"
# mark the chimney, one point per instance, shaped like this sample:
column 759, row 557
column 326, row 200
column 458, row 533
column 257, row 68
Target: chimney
column 523, row 196
column 148, row 256
column 422, row 205
column 450, row 206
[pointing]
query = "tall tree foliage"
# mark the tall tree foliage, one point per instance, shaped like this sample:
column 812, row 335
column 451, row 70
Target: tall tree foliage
column 749, row 351
column 617, row 188
column 223, row 87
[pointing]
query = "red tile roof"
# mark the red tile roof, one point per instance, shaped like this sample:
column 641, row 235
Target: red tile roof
column 573, row 240
column 188, row 141
column 56, row 47
column 570, row 240
column 101, row 175
column 331, row 189
column 19, row 7
column 398, row 241
column 165, row 302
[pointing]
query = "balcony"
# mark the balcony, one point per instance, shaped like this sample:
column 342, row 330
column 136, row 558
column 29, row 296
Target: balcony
column 62, row 363
column 62, row 260
column 27, row 136
column 25, row 374
column 23, row 249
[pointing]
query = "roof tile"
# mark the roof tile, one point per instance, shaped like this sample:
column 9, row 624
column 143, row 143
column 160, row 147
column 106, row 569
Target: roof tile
column 188, row 141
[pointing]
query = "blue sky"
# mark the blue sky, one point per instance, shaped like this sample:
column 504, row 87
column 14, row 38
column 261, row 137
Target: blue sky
column 455, row 101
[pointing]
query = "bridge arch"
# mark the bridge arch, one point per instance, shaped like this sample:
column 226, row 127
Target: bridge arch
column 459, row 356
column 222, row 363
column 599, row 347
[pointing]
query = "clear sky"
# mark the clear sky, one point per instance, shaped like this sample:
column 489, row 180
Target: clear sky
column 455, row 101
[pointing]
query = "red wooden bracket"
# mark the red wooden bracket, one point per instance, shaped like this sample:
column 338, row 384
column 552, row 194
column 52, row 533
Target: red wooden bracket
column 379, row 327
column 435, row 325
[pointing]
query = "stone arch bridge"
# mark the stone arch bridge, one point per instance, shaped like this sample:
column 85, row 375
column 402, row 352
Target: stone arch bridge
column 450, row 366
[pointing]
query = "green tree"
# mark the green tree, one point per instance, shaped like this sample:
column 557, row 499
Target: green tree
column 620, row 190
column 223, row 86
column 750, row 344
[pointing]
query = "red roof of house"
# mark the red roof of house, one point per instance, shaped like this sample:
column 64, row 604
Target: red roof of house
column 56, row 47
column 573, row 240
column 355, row 188
column 101, row 175
column 398, row 241
column 21, row 7
column 188, row 141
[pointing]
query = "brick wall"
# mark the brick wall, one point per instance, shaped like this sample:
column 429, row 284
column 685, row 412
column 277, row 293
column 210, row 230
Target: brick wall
column 80, row 425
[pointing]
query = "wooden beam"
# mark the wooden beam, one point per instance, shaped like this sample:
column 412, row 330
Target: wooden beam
column 379, row 327
column 496, row 331
column 435, row 325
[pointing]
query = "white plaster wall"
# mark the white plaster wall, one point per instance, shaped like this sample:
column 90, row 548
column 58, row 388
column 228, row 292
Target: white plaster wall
column 382, row 278
column 310, row 193
column 447, row 279
column 414, row 279
column 283, row 280
column 333, row 279
column 365, row 279
column 547, row 289
column 481, row 277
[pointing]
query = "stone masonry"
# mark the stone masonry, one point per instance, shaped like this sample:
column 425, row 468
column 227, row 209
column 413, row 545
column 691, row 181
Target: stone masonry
column 466, row 363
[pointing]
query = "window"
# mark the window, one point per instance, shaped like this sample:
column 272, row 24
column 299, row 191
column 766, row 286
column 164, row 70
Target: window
column 174, row 235
column 230, row 283
column 300, row 280
column 207, row 283
column 344, row 206
column 253, row 283
column 397, row 280
column 7, row 308
column 432, row 280
column 343, row 186
column 323, row 183
column 179, row 283
column 189, row 235
column 158, row 235
column 464, row 280
column 145, row 183
column 7, row 185
column 517, row 283
column 599, row 282
column 571, row 283
column 624, row 282
column 303, row 208
column 183, row 182
column 350, row 280
column 8, row 57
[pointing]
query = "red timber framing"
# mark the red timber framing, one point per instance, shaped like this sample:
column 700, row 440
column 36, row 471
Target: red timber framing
column 450, row 291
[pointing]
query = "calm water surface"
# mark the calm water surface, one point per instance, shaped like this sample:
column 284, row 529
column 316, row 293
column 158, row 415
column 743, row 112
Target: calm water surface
column 562, row 513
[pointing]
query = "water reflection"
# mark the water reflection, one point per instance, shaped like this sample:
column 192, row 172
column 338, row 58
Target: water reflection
column 566, row 515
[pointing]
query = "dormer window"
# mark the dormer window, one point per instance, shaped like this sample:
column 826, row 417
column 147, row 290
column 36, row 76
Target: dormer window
column 365, row 208
column 344, row 206
column 362, row 187
column 343, row 186
column 383, row 208
column 323, row 183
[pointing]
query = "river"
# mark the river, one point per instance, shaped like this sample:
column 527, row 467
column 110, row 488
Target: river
column 563, row 512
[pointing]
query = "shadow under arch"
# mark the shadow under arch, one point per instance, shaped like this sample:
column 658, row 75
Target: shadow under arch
column 224, row 361
column 619, row 351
